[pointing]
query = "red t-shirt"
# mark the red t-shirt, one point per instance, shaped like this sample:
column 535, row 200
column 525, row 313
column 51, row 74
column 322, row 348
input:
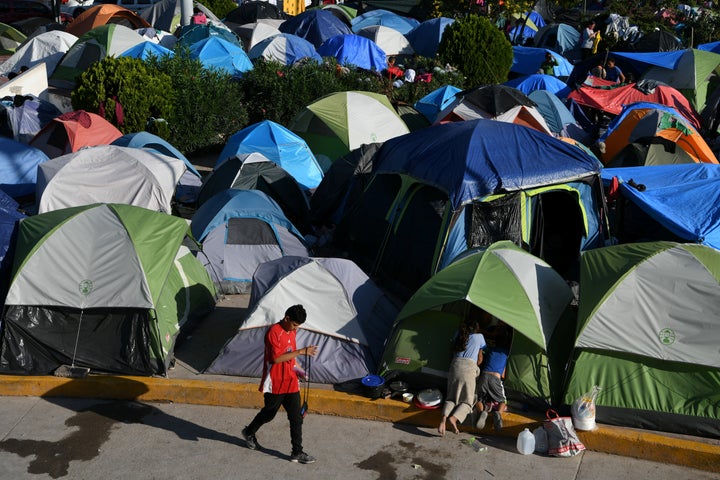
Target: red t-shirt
column 279, row 378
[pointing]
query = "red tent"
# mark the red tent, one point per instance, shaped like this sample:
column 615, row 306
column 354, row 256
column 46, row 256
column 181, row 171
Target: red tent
column 611, row 100
column 74, row 130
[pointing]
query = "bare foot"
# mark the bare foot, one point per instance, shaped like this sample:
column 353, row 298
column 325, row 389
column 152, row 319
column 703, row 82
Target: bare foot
column 453, row 424
column 441, row 429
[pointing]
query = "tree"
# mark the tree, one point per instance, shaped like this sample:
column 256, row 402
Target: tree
column 478, row 49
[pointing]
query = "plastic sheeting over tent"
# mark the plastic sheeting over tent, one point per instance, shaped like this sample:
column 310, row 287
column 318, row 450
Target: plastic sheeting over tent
column 648, row 333
column 115, row 277
column 277, row 144
column 349, row 318
column 18, row 167
column 354, row 50
column 682, row 199
column 23, row 116
column 48, row 48
column 109, row 174
column 239, row 230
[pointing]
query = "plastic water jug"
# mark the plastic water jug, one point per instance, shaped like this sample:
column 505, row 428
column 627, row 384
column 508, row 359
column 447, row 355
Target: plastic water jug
column 526, row 442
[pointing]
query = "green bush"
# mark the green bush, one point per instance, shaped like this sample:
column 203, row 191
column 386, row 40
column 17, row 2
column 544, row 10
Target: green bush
column 208, row 103
column 142, row 91
column 220, row 7
column 478, row 49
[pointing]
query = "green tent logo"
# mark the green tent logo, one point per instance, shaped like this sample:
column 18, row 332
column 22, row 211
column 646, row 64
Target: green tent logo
column 85, row 287
column 666, row 336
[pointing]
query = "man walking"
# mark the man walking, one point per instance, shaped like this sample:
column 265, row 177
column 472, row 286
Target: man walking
column 280, row 384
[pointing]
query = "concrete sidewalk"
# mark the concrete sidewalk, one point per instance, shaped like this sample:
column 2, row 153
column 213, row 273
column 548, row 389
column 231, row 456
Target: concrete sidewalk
column 186, row 384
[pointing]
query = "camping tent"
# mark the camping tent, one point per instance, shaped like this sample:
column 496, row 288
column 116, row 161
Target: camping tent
column 388, row 39
column 10, row 216
column 512, row 285
column 105, row 14
column 109, row 174
column 93, row 46
column 147, row 49
column 470, row 184
column 351, row 49
column 337, row 123
column 48, row 48
column 644, row 120
column 107, row 287
column 539, row 81
column 10, row 39
column 315, row 26
column 277, row 144
column 23, row 116
column 239, row 230
column 188, row 35
column 254, row 171
column 189, row 186
column 557, row 116
column 425, row 38
column 253, row 33
column 385, row 18
column 284, row 48
column 436, row 101
column 215, row 52
column 18, row 167
column 349, row 318
column 72, row 131
column 527, row 60
column 561, row 38
column 647, row 334
column 677, row 203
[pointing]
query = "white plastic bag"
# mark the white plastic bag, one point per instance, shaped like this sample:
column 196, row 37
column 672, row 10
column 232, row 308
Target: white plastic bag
column 583, row 410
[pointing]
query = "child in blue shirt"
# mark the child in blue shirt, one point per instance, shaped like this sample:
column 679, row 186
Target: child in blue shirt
column 490, row 388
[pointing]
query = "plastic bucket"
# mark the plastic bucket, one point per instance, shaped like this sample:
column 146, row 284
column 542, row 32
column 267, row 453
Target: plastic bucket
column 374, row 385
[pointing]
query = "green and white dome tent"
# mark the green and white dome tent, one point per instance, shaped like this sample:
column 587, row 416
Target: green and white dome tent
column 116, row 277
column 512, row 285
column 648, row 334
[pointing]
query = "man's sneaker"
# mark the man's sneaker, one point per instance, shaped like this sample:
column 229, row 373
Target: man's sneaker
column 497, row 421
column 250, row 440
column 302, row 457
column 482, row 418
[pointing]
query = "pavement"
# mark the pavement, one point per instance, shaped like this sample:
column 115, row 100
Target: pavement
column 186, row 384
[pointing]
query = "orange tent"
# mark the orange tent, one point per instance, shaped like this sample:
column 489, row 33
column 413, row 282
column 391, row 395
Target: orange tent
column 104, row 14
column 645, row 120
column 72, row 131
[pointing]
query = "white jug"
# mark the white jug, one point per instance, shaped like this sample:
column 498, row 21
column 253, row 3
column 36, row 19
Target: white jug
column 526, row 442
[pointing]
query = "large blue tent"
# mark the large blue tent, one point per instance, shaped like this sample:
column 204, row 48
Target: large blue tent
column 385, row 18
column 425, row 38
column 540, row 81
column 527, row 60
column 18, row 167
column 354, row 50
column 286, row 48
column 214, row 52
column 147, row 49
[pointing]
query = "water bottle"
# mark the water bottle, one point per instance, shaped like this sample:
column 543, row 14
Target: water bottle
column 526, row 442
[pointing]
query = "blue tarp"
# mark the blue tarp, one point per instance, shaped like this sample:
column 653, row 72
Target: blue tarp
column 18, row 167
column 710, row 47
column 641, row 60
column 527, row 60
column 386, row 19
column 354, row 50
column 214, row 52
column 146, row 49
column 426, row 37
column 279, row 145
column 476, row 158
column 540, row 81
column 682, row 198
column 234, row 203
column 520, row 34
column 435, row 102
column 315, row 26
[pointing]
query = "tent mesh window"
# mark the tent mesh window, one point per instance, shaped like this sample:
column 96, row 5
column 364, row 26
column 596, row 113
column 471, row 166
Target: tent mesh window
column 249, row 231
column 493, row 221
column 410, row 251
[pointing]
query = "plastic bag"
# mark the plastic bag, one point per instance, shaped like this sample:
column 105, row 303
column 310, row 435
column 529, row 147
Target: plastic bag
column 583, row 410
column 562, row 438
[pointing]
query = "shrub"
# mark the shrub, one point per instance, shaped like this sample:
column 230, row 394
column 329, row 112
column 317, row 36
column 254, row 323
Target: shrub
column 143, row 92
column 208, row 103
column 220, row 7
column 478, row 49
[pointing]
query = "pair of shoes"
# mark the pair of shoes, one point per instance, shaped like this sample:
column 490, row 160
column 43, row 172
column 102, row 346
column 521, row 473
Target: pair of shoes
column 302, row 457
column 480, row 424
column 250, row 440
column 497, row 421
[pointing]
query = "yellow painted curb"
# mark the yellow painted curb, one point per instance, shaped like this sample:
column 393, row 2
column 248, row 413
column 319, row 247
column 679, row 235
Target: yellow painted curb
column 606, row 439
